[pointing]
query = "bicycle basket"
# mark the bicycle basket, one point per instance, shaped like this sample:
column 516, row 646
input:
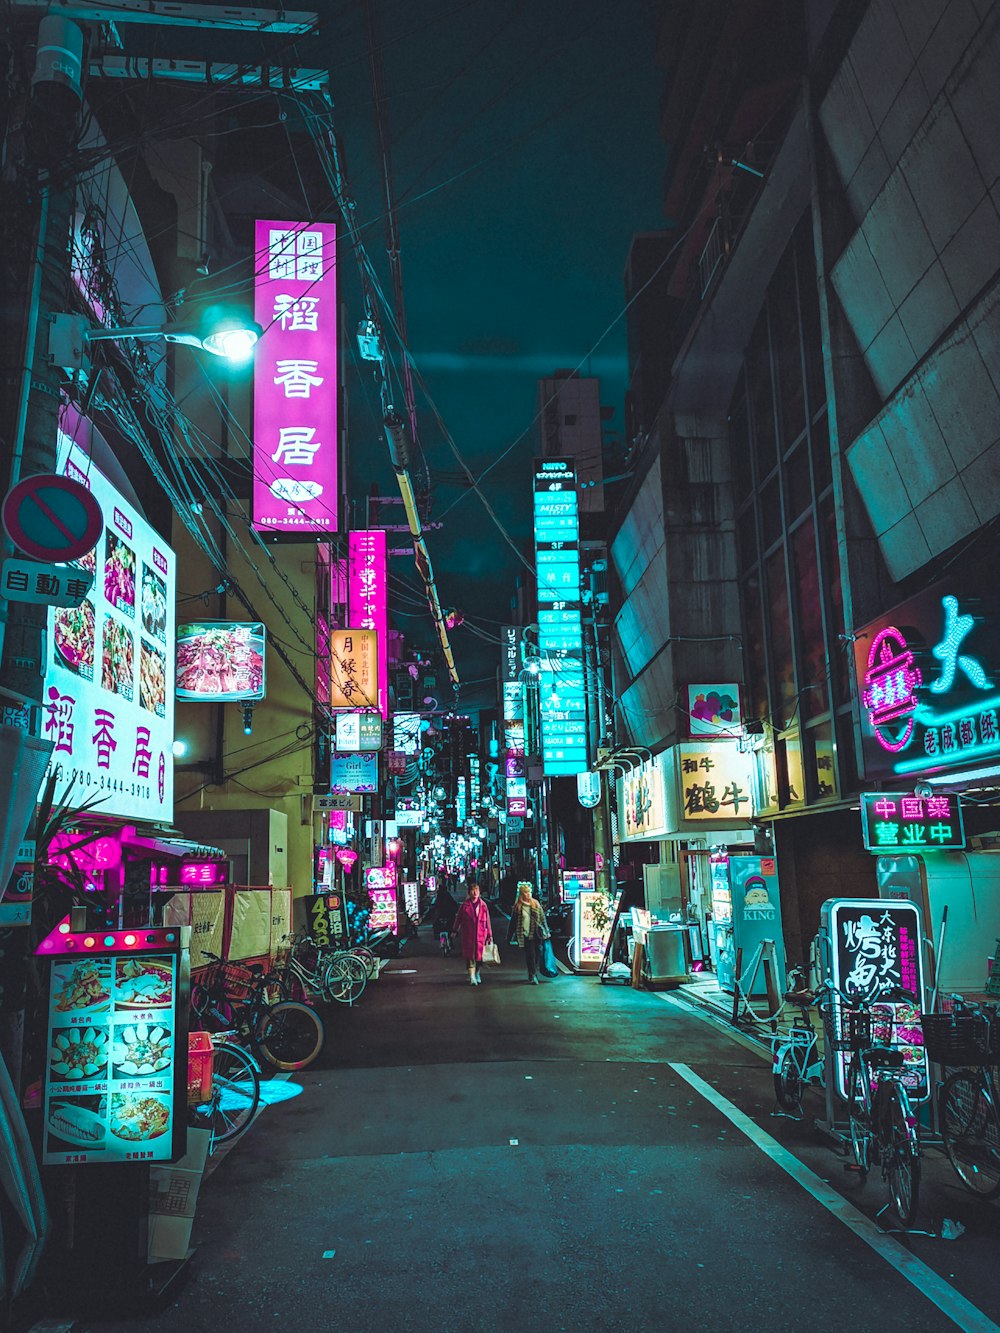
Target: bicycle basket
column 961, row 1039
column 847, row 1029
column 235, row 979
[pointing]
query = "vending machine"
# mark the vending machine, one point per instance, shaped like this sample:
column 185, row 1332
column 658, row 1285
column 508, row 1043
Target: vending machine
column 746, row 915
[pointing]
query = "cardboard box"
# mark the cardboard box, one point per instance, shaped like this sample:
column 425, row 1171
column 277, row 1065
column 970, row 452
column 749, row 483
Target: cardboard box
column 173, row 1197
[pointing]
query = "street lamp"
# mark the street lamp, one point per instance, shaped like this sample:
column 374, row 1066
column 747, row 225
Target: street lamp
column 215, row 329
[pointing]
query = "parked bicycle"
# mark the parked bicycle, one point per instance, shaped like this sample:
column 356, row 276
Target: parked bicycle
column 969, row 1098
column 882, row 1123
column 795, row 1056
column 288, row 1034
column 330, row 973
column 228, row 1110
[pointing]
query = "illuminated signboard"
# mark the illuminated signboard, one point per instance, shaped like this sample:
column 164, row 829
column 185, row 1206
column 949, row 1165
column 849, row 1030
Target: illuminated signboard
column 219, row 661
column 642, row 790
column 513, row 694
column 517, row 786
column 873, row 944
column 353, row 668
column 574, row 882
column 203, row 874
column 714, row 781
column 367, row 598
column 108, row 697
column 406, row 733
column 593, row 914
column 358, row 731
column 115, row 1086
column 353, row 772
column 383, row 909
column 929, row 683
column 561, row 695
column 295, row 471
column 905, row 822
column 714, row 710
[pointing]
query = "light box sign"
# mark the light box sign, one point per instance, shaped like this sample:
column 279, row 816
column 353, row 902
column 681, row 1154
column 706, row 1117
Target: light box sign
column 906, row 822
column 367, row 598
column 574, row 882
column 929, row 683
column 713, row 782
column 872, row 946
column 359, row 731
column 714, row 710
column 295, row 482
column 642, row 791
column 219, row 661
column 353, row 772
column 116, row 1067
column 383, row 909
column 108, row 697
column 561, row 694
column 353, row 668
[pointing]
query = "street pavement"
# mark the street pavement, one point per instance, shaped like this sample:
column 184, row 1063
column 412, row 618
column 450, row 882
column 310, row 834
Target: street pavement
column 568, row 1156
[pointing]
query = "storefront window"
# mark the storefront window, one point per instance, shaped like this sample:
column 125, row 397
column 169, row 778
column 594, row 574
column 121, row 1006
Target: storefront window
column 823, row 772
column 781, row 638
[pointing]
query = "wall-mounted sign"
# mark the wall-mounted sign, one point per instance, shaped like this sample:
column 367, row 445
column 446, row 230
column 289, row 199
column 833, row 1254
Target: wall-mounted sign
column 353, row 668
column 382, row 877
column 353, row 772
column 44, row 585
column 642, row 791
column 218, row 660
column 295, row 483
column 714, row 710
column 905, row 822
column 108, row 697
column 714, row 781
column 588, row 789
column 358, row 731
column 406, row 732
column 368, row 599
column 574, row 882
column 874, row 946
column 929, row 682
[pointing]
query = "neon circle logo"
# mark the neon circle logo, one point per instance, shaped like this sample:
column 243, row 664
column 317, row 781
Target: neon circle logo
column 890, row 681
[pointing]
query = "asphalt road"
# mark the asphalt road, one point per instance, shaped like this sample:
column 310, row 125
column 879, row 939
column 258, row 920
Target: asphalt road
column 571, row 1156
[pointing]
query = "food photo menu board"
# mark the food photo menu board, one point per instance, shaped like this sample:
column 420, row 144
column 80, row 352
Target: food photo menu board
column 112, row 1085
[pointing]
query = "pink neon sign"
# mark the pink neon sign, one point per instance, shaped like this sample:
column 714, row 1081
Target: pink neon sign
column 890, row 681
column 367, row 596
column 295, row 485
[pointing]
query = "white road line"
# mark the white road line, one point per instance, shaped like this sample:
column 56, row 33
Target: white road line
column 715, row 1021
column 930, row 1284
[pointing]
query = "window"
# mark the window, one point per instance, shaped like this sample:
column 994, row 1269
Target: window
column 787, row 352
column 822, row 762
column 753, row 647
column 814, row 696
column 779, row 622
column 761, row 401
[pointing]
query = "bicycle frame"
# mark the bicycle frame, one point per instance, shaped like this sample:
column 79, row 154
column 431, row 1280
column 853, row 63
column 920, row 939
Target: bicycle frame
column 799, row 1043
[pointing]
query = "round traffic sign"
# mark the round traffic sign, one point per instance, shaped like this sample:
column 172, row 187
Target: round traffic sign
column 52, row 518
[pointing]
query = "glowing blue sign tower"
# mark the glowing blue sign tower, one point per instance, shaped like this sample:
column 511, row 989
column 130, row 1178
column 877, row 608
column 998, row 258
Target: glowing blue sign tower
column 562, row 696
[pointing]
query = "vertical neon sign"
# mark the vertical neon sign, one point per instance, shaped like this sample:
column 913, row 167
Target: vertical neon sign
column 295, row 483
column 367, row 596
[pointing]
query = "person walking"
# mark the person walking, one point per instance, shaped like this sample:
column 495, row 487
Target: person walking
column 528, row 927
column 444, row 909
column 472, row 923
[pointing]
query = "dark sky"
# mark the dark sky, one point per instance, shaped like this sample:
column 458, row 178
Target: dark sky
column 526, row 153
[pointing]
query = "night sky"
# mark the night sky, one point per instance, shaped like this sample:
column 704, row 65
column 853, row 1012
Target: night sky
column 526, row 153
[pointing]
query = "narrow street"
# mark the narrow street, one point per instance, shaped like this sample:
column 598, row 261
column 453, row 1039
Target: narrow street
column 554, row 1157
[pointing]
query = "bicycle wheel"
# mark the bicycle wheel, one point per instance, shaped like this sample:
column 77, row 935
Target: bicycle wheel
column 788, row 1085
column 899, row 1154
column 859, row 1115
column 367, row 957
column 345, row 979
column 235, row 1092
column 970, row 1127
column 289, row 1035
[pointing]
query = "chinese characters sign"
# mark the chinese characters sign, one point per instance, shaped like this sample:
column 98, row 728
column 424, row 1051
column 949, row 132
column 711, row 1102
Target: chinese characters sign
column 353, row 668
column 642, row 790
column 929, row 684
column 295, row 485
column 874, row 949
column 711, row 785
column 358, row 731
column 383, row 909
column 561, row 697
column 220, row 660
column 905, row 822
column 108, row 697
column 367, row 598
column 111, row 1076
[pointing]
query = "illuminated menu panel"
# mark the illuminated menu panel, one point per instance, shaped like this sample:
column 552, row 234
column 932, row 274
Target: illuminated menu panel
column 295, row 378
column 562, row 696
column 111, row 1068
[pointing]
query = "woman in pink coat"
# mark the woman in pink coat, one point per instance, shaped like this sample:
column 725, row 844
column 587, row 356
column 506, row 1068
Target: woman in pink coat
column 472, row 922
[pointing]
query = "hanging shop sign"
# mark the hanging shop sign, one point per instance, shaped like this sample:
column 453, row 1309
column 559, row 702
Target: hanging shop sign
column 714, row 710
column 643, row 803
column 353, row 668
column 358, row 731
column 562, row 700
column 588, row 789
column 108, row 697
column 406, row 732
column 906, row 822
column 873, row 946
column 115, row 1087
column 929, row 682
column 512, row 689
column 708, row 786
column 353, row 772
column 368, row 601
column 295, row 470
column 220, row 660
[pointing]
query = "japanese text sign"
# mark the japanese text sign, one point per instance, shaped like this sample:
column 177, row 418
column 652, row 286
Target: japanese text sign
column 358, row 731
column 383, row 909
column 295, row 485
column 108, row 697
column 353, row 668
column 929, row 683
column 44, row 585
column 354, row 772
column 642, row 790
column 367, row 598
column 905, row 822
column 220, row 660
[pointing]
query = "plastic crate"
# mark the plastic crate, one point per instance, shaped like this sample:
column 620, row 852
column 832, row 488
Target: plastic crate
column 200, row 1057
column 961, row 1039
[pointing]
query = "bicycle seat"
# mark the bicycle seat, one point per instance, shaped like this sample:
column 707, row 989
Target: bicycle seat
column 799, row 996
column 884, row 1057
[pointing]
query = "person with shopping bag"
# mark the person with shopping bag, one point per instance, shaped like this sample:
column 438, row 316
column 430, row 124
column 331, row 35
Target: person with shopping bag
column 472, row 925
column 528, row 928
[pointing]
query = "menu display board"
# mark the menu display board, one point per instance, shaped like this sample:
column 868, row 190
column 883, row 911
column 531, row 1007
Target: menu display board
column 113, row 1088
column 220, row 661
column 574, row 882
column 383, row 910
